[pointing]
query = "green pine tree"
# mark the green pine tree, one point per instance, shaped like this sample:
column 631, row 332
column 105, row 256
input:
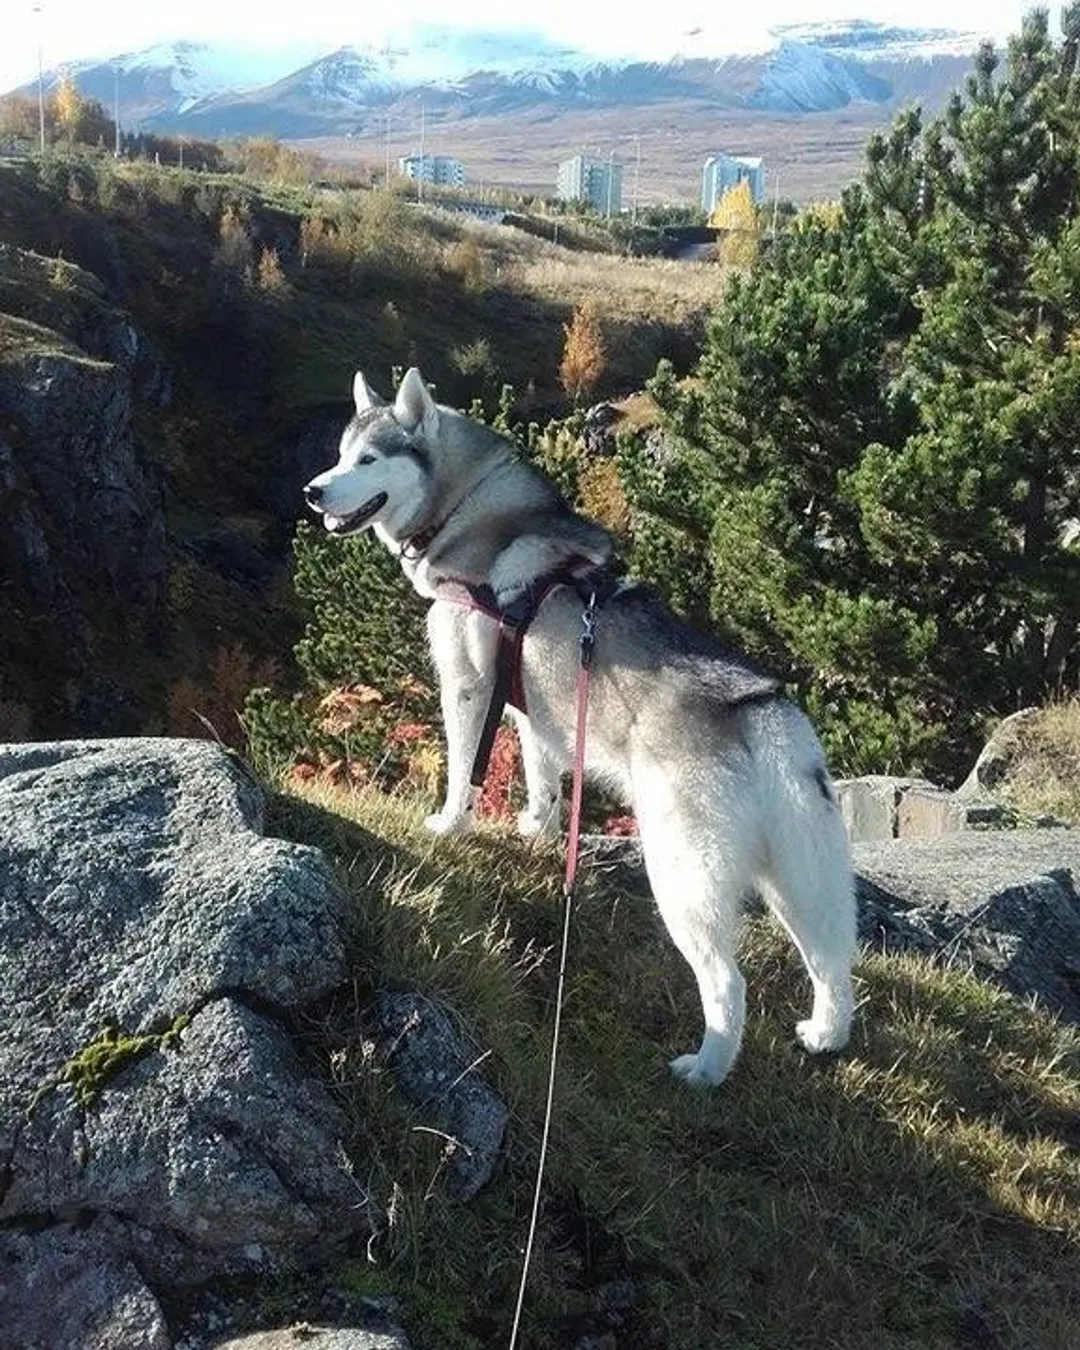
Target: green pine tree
column 881, row 452
column 365, row 632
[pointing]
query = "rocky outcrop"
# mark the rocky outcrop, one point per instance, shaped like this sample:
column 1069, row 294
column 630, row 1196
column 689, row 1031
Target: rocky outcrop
column 161, row 1122
column 1004, row 904
column 84, row 532
column 885, row 806
column 599, row 430
column 156, row 1114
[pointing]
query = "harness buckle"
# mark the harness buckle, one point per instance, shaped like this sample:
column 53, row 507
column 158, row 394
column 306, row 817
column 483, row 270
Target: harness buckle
column 588, row 631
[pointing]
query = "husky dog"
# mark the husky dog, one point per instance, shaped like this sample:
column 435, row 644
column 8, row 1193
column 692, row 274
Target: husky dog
column 725, row 777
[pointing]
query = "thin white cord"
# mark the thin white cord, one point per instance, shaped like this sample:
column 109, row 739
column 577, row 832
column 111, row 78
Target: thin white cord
column 568, row 898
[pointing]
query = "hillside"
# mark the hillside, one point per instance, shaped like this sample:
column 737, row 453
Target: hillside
column 302, row 1089
column 211, row 328
column 920, row 1190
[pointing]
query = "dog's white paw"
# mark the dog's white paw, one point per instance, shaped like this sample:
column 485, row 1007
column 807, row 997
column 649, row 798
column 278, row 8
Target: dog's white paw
column 532, row 825
column 818, row 1037
column 690, row 1070
column 444, row 823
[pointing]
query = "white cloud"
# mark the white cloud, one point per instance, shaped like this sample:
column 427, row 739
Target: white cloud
column 71, row 30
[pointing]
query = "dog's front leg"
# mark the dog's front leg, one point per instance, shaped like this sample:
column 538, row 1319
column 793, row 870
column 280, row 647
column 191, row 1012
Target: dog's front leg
column 463, row 647
column 543, row 782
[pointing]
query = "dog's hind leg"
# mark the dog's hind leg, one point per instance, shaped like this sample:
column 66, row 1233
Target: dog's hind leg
column 463, row 648
column 699, row 878
column 809, row 893
column 542, row 781
column 807, row 882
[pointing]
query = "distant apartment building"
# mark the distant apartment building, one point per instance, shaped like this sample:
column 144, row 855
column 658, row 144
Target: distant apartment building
column 722, row 172
column 596, row 181
column 442, row 169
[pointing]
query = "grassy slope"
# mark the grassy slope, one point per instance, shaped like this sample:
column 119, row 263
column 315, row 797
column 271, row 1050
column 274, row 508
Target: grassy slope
column 920, row 1190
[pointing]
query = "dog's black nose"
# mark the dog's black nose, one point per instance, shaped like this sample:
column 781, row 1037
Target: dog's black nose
column 313, row 493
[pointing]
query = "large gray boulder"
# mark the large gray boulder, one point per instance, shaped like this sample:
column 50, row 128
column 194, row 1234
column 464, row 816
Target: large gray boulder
column 155, row 1111
column 73, row 1287
column 1002, row 903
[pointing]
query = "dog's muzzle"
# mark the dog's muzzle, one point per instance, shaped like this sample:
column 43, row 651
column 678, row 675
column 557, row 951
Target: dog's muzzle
column 355, row 520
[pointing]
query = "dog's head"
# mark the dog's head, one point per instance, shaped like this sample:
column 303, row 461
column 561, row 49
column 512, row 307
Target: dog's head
column 381, row 476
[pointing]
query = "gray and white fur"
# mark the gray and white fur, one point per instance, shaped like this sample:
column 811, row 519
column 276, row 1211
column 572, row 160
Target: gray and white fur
column 725, row 776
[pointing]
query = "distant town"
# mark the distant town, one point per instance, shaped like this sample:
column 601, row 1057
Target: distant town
column 598, row 181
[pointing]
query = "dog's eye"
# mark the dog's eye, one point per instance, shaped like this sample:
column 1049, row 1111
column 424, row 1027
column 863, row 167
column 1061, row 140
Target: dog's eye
column 366, row 459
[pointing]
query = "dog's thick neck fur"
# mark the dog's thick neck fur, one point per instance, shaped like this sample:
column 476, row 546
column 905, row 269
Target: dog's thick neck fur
column 513, row 541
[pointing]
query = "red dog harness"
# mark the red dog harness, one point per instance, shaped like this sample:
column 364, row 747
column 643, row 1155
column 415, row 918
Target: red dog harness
column 594, row 585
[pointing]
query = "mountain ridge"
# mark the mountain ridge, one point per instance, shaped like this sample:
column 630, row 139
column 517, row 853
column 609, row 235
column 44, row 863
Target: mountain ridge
column 202, row 89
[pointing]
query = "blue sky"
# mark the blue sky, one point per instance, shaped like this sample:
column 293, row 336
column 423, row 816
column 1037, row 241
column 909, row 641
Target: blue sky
column 69, row 30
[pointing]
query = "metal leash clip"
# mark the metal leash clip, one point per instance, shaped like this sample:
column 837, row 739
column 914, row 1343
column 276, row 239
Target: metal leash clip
column 588, row 631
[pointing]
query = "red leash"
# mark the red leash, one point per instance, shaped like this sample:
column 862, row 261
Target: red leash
column 588, row 641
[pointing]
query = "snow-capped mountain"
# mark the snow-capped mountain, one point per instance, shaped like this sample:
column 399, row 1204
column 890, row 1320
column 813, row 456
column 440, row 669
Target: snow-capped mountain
column 161, row 83
column 205, row 90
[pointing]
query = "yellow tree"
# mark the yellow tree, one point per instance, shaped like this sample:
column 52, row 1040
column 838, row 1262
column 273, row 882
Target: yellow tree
column 583, row 356
column 736, row 215
column 69, row 105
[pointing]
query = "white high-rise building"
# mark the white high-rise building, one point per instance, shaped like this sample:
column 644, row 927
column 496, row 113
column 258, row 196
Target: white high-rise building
column 440, row 169
column 596, row 181
column 722, row 172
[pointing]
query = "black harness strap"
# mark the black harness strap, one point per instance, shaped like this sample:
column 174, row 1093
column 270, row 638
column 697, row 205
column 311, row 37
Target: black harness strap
column 594, row 586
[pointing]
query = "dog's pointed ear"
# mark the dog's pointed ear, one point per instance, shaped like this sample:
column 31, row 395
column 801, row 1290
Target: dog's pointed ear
column 363, row 395
column 414, row 407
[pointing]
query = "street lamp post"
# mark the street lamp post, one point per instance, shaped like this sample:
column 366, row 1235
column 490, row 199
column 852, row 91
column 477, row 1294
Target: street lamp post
column 116, row 109
column 637, row 176
column 423, row 165
column 775, row 203
column 40, row 82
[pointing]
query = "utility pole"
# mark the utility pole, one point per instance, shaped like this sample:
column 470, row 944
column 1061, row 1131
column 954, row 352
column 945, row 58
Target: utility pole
column 775, row 203
column 637, row 177
column 116, row 109
column 40, row 82
column 423, row 162
column 610, row 180
column 387, row 183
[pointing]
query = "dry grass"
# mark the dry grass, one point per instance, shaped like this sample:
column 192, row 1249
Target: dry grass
column 623, row 288
column 638, row 412
column 1044, row 780
column 922, row 1190
column 813, row 156
column 657, row 288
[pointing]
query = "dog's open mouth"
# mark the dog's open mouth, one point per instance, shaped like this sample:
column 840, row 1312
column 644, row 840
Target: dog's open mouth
column 355, row 519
